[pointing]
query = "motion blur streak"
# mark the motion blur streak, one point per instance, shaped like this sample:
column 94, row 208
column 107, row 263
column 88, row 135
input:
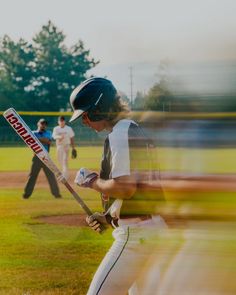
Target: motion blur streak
column 196, row 142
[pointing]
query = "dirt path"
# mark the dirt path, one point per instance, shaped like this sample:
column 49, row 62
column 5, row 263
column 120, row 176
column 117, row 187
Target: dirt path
column 69, row 220
column 17, row 179
column 220, row 183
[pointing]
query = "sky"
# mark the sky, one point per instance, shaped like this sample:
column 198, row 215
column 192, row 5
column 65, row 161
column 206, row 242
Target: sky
column 136, row 33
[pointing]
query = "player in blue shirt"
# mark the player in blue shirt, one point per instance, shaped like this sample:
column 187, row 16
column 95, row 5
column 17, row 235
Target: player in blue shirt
column 45, row 137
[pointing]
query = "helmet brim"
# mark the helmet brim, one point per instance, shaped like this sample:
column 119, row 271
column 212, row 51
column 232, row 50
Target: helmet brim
column 76, row 115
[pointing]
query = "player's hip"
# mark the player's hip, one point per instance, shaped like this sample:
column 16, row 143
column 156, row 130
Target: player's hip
column 140, row 229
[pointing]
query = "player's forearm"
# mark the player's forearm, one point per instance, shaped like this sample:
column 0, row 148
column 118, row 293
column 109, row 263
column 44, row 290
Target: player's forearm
column 45, row 140
column 116, row 189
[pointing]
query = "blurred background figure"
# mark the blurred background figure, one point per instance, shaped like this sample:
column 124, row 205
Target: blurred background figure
column 45, row 137
column 64, row 136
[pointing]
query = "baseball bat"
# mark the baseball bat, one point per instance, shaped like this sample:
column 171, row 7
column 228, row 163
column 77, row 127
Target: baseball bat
column 22, row 129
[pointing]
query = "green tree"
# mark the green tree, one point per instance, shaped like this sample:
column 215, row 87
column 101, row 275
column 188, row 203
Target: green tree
column 40, row 75
column 139, row 101
column 59, row 69
column 159, row 96
column 16, row 71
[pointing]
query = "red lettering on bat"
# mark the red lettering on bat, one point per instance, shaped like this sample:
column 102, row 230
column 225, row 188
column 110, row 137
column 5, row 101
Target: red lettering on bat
column 26, row 136
column 37, row 149
column 12, row 120
column 18, row 125
column 9, row 116
column 22, row 131
column 30, row 140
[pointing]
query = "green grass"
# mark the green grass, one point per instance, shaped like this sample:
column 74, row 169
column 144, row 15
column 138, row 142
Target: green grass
column 170, row 159
column 38, row 258
column 19, row 159
column 46, row 259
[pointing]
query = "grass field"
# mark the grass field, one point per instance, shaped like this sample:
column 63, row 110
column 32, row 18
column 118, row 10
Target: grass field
column 38, row 258
column 170, row 159
column 45, row 259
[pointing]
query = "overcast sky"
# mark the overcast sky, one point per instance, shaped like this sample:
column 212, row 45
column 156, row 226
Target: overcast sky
column 132, row 31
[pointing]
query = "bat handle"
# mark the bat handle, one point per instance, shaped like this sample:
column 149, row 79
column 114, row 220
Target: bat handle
column 102, row 229
column 78, row 199
column 82, row 204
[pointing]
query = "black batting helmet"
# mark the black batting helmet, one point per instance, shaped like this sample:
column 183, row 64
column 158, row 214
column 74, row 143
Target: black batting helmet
column 95, row 96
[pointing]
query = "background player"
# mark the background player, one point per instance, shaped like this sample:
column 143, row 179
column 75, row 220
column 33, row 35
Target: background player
column 45, row 137
column 64, row 136
column 129, row 205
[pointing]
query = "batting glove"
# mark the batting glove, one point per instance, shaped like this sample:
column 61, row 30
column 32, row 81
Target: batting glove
column 85, row 177
column 97, row 221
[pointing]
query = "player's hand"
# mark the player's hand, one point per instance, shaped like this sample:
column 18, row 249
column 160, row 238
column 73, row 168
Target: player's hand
column 73, row 154
column 97, row 221
column 85, row 177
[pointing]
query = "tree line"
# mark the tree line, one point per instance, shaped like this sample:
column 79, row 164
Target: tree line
column 39, row 75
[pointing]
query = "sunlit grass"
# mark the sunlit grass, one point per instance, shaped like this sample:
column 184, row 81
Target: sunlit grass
column 169, row 159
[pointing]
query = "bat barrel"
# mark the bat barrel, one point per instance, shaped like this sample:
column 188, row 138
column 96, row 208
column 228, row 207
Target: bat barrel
column 21, row 128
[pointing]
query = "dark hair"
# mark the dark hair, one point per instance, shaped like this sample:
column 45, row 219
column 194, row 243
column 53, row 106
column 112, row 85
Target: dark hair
column 42, row 121
column 61, row 118
column 117, row 110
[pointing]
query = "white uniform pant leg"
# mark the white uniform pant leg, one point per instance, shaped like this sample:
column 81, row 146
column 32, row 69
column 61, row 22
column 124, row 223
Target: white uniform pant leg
column 123, row 264
column 63, row 155
column 149, row 279
column 120, row 267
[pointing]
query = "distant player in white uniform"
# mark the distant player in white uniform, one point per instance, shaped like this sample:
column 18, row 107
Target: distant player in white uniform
column 64, row 136
column 126, row 183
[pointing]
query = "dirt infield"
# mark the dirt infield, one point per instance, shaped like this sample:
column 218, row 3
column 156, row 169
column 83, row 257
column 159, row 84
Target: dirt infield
column 220, row 183
column 17, row 179
column 69, row 220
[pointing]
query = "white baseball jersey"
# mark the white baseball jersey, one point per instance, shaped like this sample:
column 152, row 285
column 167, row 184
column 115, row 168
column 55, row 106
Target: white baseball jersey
column 128, row 151
column 63, row 135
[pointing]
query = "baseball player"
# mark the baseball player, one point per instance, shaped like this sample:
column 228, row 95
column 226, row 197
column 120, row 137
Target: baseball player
column 64, row 136
column 125, row 182
column 45, row 137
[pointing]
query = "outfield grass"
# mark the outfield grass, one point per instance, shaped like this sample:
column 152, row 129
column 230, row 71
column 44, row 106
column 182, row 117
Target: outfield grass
column 170, row 159
column 19, row 159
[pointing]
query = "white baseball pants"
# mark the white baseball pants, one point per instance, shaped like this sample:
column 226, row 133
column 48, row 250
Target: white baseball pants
column 127, row 259
column 63, row 156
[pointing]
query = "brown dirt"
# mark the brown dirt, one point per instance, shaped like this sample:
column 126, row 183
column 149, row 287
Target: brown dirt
column 17, row 179
column 205, row 183
column 69, row 220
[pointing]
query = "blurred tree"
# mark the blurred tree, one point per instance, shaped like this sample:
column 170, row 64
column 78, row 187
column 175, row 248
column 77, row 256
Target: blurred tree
column 41, row 75
column 139, row 101
column 159, row 96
